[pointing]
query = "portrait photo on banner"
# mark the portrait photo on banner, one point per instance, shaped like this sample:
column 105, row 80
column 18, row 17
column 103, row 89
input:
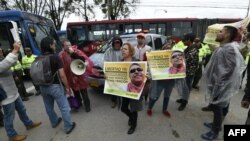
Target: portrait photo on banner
column 166, row 64
column 125, row 79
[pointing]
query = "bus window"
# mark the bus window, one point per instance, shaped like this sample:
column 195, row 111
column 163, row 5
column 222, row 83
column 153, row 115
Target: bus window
column 112, row 31
column 128, row 28
column 180, row 28
column 138, row 27
column 187, row 27
column 98, row 31
column 152, row 28
column 161, row 29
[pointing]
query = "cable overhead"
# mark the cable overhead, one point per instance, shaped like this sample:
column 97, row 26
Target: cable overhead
column 194, row 6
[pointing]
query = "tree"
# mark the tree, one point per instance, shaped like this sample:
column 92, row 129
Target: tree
column 32, row 6
column 114, row 9
column 4, row 5
column 83, row 8
column 58, row 10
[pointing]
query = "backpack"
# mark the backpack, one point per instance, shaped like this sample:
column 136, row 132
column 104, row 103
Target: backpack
column 40, row 71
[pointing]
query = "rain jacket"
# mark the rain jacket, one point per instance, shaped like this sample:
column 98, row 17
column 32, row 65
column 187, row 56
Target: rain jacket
column 222, row 75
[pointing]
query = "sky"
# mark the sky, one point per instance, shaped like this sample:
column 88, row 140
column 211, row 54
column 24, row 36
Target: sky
column 180, row 9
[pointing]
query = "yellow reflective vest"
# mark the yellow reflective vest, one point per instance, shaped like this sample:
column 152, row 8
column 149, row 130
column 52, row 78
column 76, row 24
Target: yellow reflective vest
column 179, row 46
column 17, row 66
column 206, row 49
column 27, row 61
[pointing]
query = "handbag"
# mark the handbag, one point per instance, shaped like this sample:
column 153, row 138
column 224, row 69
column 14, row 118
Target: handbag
column 2, row 94
column 73, row 102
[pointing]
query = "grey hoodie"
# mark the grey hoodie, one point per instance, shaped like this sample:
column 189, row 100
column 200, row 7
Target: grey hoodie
column 7, row 80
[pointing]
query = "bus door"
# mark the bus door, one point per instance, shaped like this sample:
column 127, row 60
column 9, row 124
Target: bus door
column 9, row 33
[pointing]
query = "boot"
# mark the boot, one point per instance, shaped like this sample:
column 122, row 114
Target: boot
column 210, row 125
column 183, row 105
column 33, row 125
column 18, row 138
column 211, row 135
column 149, row 112
column 131, row 130
column 207, row 108
column 179, row 100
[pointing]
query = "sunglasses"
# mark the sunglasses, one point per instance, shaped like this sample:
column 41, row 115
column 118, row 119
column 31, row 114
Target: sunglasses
column 136, row 69
column 177, row 55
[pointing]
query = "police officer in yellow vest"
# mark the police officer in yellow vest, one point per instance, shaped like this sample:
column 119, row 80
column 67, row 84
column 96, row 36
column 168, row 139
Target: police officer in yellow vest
column 27, row 60
column 202, row 54
column 17, row 71
column 208, row 53
column 179, row 46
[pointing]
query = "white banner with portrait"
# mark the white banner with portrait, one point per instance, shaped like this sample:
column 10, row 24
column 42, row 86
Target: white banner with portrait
column 125, row 79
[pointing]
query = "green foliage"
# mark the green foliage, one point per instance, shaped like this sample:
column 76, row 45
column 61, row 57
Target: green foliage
column 3, row 5
column 117, row 8
column 57, row 10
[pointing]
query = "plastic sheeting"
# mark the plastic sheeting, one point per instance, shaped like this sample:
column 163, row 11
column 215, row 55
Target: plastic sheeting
column 222, row 75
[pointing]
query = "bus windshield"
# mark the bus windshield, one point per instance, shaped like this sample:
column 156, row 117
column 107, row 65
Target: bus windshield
column 39, row 31
column 77, row 35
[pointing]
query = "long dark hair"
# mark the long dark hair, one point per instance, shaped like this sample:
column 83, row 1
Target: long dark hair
column 45, row 45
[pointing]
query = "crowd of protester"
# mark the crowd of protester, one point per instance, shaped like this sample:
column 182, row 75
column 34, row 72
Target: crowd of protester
column 210, row 71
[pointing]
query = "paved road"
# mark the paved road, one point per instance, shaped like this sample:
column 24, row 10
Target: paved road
column 106, row 124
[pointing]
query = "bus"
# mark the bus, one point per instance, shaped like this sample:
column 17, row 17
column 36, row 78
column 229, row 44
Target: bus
column 31, row 29
column 62, row 34
column 105, row 29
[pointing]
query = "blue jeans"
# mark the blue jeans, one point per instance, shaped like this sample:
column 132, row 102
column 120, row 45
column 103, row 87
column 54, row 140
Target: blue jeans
column 157, row 87
column 9, row 116
column 55, row 92
column 189, row 81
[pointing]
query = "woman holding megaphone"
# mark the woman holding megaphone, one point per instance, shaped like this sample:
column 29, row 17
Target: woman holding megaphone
column 77, row 81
